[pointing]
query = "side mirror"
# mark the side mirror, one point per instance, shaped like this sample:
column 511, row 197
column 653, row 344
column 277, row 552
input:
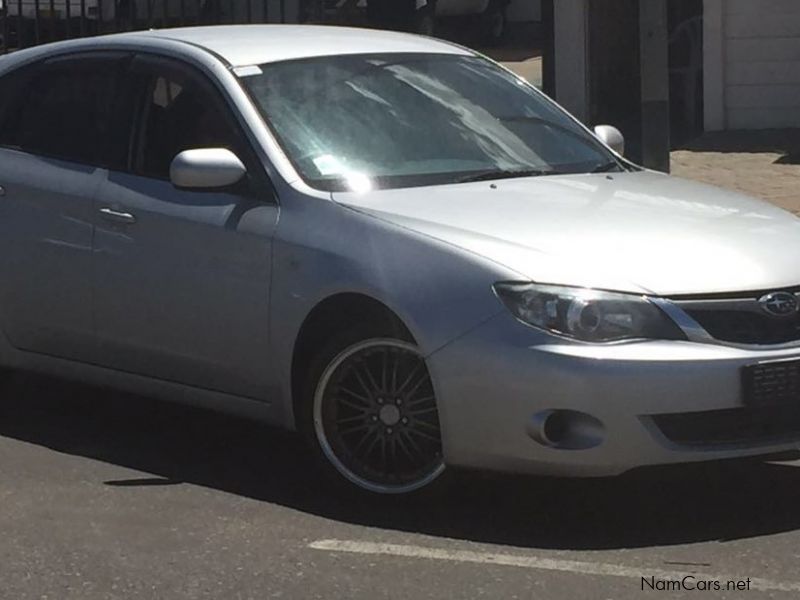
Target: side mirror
column 611, row 137
column 206, row 168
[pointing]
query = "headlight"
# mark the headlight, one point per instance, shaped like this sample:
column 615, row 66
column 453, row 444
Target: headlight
column 588, row 315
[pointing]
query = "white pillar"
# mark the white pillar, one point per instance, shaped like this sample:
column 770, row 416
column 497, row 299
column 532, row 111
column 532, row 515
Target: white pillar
column 571, row 54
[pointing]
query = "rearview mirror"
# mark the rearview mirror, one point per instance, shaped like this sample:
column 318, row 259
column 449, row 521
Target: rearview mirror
column 611, row 137
column 206, row 168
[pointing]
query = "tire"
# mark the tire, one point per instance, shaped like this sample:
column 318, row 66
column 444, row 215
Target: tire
column 495, row 23
column 369, row 413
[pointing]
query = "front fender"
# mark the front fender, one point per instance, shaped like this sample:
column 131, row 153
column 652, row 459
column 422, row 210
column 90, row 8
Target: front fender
column 322, row 249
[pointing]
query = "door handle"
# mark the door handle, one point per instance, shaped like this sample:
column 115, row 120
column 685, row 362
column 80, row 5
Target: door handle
column 109, row 214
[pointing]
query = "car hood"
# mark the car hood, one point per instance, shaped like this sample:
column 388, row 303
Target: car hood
column 641, row 232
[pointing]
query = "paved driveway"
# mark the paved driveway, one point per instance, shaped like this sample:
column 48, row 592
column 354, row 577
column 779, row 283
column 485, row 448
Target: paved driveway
column 526, row 63
column 765, row 164
column 106, row 495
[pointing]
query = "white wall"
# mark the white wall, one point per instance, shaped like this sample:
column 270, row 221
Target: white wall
column 525, row 10
column 752, row 64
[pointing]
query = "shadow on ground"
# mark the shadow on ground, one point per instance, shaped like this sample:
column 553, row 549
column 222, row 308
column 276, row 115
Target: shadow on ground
column 784, row 142
column 173, row 444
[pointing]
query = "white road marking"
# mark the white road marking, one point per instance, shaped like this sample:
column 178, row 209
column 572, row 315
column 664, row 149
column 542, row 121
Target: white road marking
column 545, row 564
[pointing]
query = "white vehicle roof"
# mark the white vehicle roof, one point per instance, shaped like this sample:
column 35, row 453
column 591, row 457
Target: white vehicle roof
column 242, row 45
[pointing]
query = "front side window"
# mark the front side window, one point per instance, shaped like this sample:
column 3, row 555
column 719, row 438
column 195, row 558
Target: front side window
column 68, row 111
column 401, row 120
column 179, row 114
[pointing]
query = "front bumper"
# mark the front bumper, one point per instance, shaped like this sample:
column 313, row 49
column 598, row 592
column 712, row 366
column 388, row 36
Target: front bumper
column 492, row 383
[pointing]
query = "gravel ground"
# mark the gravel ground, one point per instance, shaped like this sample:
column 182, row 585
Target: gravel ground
column 765, row 164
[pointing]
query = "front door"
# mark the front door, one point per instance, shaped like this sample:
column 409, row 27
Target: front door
column 182, row 276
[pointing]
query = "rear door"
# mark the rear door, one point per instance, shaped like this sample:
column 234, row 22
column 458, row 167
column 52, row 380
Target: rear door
column 183, row 275
column 59, row 124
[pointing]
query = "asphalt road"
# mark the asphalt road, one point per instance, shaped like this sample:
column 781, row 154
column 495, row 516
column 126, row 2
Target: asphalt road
column 105, row 495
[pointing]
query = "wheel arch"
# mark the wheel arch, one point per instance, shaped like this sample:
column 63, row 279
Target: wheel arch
column 334, row 314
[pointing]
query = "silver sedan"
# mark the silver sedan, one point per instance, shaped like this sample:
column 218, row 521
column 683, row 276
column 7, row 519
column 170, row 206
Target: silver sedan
column 390, row 244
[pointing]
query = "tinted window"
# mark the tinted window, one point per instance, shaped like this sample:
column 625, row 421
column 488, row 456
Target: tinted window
column 8, row 91
column 404, row 120
column 180, row 114
column 68, row 110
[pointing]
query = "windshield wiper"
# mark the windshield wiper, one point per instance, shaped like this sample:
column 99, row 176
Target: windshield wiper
column 609, row 166
column 507, row 174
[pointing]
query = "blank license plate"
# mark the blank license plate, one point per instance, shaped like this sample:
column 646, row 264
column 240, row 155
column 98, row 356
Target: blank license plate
column 772, row 383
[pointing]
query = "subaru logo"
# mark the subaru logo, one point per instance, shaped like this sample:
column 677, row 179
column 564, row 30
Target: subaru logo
column 780, row 304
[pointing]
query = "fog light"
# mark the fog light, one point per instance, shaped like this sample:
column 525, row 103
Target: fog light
column 566, row 429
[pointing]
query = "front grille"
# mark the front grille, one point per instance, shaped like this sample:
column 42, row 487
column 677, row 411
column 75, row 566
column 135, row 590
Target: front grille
column 742, row 319
column 731, row 426
column 745, row 327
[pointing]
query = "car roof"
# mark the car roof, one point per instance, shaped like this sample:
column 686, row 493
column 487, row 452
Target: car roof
column 242, row 45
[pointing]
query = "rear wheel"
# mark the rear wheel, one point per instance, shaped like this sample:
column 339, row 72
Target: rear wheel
column 374, row 420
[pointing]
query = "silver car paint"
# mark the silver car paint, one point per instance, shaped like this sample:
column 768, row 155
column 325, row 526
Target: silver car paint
column 206, row 168
column 432, row 255
column 46, row 236
column 327, row 261
column 178, row 289
column 485, row 423
column 637, row 232
column 258, row 44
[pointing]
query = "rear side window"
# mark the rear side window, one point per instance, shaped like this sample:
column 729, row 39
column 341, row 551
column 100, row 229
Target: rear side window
column 69, row 110
column 10, row 86
column 5, row 95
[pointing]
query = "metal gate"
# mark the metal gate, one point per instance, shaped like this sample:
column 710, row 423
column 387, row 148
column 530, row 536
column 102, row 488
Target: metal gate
column 25, row 23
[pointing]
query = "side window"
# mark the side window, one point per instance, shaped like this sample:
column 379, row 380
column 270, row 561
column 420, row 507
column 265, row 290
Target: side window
column 11, row 86
column 180, row 113
column 68, row 110
column 7, row 92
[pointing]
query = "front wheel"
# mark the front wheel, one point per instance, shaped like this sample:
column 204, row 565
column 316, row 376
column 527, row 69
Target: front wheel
column 375, row 417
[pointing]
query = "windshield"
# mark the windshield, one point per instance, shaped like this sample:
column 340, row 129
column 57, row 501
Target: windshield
column 398, row 120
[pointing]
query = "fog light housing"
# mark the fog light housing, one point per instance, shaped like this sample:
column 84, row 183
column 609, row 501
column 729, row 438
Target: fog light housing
column 566, row 429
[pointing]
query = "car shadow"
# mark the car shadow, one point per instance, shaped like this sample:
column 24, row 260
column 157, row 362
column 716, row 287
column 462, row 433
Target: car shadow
column 171, row 444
